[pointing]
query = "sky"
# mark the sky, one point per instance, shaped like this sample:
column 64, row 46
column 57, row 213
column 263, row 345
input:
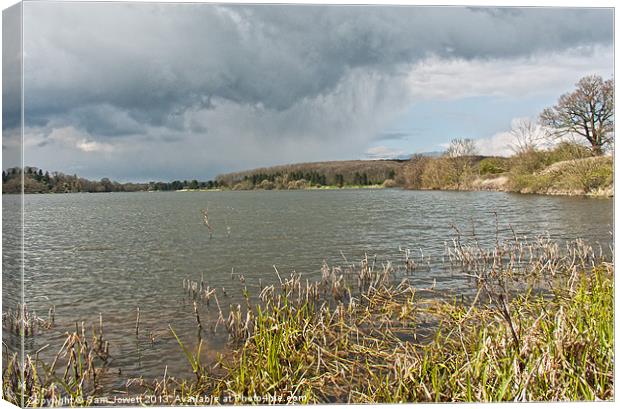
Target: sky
column 148, row 91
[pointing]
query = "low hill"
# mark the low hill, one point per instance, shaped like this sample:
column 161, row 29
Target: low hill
column 300, row 175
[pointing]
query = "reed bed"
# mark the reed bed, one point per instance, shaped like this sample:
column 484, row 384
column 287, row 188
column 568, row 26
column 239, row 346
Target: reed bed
column 539, row 328
column 26, row 323
column 71, row 379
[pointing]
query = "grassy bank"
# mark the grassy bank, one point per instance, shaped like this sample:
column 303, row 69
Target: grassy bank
column 587, row 176
column 567, row 169
column 563, row 350
column 540, row 327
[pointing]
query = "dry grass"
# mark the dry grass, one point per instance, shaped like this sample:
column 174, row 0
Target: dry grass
column 70, row 379
column 540, row 327
column 26, row 323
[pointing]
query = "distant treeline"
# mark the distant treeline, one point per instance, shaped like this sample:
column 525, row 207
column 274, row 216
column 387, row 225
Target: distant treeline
column 185, row 184
column 305, row 175
column 567, row 168
column 40, row 181
column 298, row 176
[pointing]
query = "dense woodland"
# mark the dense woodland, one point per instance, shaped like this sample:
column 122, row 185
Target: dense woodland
column 40, row 181
column 299, row 176
column 306, row 175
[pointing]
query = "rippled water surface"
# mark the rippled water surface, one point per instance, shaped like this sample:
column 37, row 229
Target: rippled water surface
column 111, row 253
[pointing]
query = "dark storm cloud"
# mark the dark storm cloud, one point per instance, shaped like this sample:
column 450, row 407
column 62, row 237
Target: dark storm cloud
column 155, row 61
column 11, row 67
column 188, row 90
column 105, row 120
column 11, row 87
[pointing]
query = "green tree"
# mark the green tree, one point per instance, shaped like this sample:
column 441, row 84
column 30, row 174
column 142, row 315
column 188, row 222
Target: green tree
column 364, row 179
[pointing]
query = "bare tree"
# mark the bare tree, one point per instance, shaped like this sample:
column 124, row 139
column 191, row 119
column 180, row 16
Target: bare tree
column 588, row 111
column 414, row 170
column 527, row 136
column 460, row 154
column 461, row 147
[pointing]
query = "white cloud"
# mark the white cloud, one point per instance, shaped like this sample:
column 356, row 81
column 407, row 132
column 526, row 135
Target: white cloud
column 383, row 152
column 92, row 146
column 496, row 145
column 506, row 143
column 74, row 138
column 541, row 73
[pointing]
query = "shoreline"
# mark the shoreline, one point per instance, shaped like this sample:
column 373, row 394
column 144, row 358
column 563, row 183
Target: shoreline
column 554, row 173
column 607, row 193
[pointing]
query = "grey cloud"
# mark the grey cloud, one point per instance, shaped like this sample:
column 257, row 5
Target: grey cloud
column 11, row 87
column 156, row 60
column 105, row 120
column 11, row 67
column 257, row 82
column 393, row 136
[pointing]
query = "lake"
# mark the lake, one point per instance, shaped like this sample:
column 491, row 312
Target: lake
column 110, row 253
